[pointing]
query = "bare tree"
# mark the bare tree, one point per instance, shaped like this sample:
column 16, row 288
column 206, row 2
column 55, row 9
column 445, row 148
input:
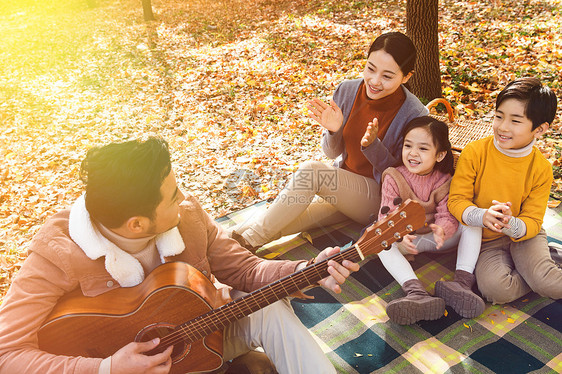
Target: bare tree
column 422, row 28
column 147, row 10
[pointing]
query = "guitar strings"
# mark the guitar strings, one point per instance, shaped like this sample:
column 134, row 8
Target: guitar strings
column 199, row 327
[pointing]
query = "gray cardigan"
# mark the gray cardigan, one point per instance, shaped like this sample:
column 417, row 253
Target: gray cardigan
column 381, row 154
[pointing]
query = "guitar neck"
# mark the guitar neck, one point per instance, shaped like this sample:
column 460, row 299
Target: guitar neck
column 221, row 317
column 377, row 237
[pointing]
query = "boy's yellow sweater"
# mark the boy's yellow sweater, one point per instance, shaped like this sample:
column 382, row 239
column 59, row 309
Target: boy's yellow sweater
column 484, row 174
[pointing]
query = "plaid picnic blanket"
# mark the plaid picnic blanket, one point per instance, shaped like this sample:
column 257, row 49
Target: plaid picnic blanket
column 355, row 333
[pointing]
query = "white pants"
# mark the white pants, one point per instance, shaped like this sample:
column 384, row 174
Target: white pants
column 468, row 238
column 285, row 340
column 317, row 195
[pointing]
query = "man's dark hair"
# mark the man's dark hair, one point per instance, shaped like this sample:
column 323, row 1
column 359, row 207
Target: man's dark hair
column 123, row 180
column 540, row 102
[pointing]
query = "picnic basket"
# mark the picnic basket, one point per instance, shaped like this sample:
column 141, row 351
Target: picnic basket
column 461, row 132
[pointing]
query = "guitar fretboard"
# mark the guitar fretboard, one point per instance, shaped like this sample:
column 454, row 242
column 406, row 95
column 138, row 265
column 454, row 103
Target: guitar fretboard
column 376, row 238
column 219, row 318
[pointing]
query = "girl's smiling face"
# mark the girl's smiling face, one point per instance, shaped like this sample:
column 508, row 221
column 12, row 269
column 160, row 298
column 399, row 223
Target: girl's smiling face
column 419, row 154
column 382, row 75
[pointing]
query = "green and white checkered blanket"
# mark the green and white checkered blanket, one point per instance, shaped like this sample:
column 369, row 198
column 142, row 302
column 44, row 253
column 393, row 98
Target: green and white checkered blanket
column 355, row 332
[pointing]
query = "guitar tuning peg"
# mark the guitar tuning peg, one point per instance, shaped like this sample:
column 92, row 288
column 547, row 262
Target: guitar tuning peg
column 385, row 209
column 373, row 218
column 397, row 201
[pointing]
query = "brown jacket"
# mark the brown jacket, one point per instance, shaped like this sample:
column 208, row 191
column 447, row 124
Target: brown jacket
column 57, row 265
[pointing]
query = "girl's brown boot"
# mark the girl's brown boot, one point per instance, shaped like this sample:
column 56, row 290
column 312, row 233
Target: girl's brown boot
column 458, row 294
column 417, row 305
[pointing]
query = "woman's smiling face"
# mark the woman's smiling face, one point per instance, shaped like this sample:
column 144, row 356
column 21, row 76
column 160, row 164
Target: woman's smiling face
column 382, row 75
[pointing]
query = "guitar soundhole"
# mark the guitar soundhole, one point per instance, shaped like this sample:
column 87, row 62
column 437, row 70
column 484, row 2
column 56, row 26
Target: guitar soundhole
column 165, row 332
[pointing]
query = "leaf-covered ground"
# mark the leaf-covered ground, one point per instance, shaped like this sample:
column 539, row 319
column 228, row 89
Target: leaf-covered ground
column 225, row 82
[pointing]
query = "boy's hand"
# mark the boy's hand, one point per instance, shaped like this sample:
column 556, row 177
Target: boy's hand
column 497, row 216
column 505, row 208
column 329, row 117
column 370, row 133
column 438, row 235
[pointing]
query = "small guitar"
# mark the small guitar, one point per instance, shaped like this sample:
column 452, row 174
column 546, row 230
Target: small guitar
column 176, row 292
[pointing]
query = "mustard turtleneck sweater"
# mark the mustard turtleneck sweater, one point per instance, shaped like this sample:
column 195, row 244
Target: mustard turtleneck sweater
column 483, row 174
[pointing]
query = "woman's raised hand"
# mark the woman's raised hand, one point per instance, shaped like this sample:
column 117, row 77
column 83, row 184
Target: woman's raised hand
column 371, row 133
column 329, row 117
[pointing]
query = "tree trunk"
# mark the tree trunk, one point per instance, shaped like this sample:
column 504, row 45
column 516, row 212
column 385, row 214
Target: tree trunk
column 147, row 10
column 422, row 28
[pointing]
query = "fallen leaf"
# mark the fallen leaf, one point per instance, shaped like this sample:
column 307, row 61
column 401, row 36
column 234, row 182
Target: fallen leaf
column 306, row 236
column 553, row 203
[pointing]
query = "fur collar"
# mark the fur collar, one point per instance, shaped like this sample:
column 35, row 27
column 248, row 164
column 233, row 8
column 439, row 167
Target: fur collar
column 123, row 267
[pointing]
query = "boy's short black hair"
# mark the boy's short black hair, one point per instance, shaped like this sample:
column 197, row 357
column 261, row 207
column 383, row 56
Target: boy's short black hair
column 123, row 180
column 540, row 102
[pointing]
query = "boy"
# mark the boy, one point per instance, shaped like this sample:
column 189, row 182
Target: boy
column 502, row 184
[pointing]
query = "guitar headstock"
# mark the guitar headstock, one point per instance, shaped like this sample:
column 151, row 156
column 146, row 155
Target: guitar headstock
column 408, row 217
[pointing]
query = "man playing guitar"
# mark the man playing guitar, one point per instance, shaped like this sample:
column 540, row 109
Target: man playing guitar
column 131, row 219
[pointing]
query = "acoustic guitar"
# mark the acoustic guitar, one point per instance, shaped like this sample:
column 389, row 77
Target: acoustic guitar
column 182, row 307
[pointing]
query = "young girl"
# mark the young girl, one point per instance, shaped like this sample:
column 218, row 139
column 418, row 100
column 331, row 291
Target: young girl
column 425, row 176
column 363, row 130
